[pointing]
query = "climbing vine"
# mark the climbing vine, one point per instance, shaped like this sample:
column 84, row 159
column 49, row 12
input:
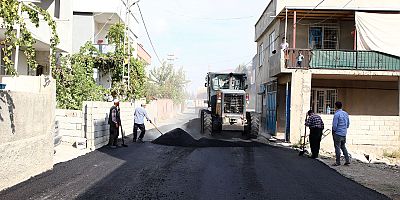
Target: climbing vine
column 75, row 80
column 9, row 12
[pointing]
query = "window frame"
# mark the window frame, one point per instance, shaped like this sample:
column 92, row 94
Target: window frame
column 271, row 46
column 323, row 27
column 314, row 104
column 261, row 54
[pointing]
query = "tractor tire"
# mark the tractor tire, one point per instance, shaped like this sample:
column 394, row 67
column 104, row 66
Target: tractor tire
column 206, row 120
column 253, row 124
column 217, row 125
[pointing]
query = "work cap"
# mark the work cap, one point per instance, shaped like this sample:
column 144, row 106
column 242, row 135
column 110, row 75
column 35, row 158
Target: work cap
column 116, row 101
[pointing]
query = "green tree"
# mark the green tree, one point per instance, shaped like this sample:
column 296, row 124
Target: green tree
column 167, row 82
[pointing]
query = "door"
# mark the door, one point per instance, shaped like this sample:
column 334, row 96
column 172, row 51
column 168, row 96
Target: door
column 271, row 108
column 288, row 96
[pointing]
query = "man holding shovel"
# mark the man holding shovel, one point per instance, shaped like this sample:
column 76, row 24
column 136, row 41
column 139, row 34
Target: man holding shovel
column 316, row 125
column 114, row 120
column 139, row 115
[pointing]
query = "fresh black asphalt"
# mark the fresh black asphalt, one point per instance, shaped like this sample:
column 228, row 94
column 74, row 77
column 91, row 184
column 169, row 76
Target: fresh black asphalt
column 151, row 171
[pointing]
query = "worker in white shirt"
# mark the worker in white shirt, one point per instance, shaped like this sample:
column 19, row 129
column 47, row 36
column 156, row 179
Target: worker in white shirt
column 140, row 114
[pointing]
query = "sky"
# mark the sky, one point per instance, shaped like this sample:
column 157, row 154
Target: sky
column 203, row 35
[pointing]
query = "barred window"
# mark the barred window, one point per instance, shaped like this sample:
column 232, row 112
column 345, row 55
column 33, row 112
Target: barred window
column 323, row 100
column 323, row 37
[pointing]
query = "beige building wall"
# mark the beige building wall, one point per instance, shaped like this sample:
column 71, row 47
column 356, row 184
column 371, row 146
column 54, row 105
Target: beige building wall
column 26, row 128
column 376, row 98
column 300, row 103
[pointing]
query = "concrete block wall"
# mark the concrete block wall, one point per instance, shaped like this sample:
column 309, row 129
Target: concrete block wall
column 367, row 134
column 26, row 128
column 70, row 125
column 92, row 121
column 96, row 121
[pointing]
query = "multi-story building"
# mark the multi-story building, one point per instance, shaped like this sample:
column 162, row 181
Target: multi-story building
column 92, row 20
column 340, row 50
column 77, row 23
column 61, row 11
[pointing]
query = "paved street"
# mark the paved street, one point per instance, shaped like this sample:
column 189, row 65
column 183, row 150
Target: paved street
column 149, row 171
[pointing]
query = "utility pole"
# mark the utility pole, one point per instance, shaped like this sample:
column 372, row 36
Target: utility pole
column 18, row 35
column 126, row 37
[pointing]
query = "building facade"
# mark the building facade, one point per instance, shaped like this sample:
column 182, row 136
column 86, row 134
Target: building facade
column 61, row 11
column 329, row 57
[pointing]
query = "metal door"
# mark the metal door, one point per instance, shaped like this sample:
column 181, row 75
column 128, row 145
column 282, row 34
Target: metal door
column 271, row 107
column 288, row 96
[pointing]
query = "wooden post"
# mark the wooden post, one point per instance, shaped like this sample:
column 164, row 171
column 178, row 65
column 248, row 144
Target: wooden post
column 294, row 30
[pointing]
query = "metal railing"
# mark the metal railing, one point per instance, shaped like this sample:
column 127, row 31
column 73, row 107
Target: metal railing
column 341, row 59
column 297, row 58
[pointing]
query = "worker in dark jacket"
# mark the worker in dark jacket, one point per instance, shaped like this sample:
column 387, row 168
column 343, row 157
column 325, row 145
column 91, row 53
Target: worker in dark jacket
column 316, row 125
column 114, row 120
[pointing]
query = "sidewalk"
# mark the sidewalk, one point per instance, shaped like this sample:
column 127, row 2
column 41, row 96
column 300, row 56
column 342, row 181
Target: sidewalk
column 380, row 177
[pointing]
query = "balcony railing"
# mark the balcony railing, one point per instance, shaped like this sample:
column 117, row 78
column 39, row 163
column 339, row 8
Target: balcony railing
column 341, row 59
column 105, row 48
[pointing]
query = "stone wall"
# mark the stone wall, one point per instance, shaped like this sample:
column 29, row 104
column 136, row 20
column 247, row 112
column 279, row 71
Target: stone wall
column 26, row 128
column 367, row 134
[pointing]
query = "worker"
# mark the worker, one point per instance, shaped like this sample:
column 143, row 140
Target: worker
column 316, row 125
column 114, row 120
column 139, row 115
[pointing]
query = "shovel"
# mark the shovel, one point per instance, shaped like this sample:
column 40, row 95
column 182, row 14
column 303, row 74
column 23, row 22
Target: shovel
column 123, row 135
column 304, row 140
column 157, row 128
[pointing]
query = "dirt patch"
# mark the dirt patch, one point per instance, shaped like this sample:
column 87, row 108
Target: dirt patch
column 380, row 177
column 179, row 137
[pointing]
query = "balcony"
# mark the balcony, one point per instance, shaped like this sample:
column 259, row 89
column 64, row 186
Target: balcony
column 105, row 48
column 341, row 60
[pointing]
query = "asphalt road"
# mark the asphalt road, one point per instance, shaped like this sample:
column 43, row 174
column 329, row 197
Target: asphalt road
column 149, row 171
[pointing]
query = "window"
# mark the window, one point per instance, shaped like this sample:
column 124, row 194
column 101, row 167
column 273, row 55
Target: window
column 261, row 54
column 323, row 100
column 271, row 43
column 323, row 37
column 224, row 81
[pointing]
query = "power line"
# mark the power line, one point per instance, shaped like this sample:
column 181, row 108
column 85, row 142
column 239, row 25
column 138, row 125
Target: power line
column 208, row 18
column 322, row 21
column 148, row 35
column 310, row 11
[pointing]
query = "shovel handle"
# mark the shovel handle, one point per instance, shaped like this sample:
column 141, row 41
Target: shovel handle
column 156, row 128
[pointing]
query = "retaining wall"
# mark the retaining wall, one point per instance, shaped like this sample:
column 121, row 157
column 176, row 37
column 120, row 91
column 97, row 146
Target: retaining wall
column 26, row 128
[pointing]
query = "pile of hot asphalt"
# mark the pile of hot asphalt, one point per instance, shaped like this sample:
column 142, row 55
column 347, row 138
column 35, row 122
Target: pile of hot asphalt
column 179, row 137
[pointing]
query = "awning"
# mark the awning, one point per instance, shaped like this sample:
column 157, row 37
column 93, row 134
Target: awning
column 378, row 32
